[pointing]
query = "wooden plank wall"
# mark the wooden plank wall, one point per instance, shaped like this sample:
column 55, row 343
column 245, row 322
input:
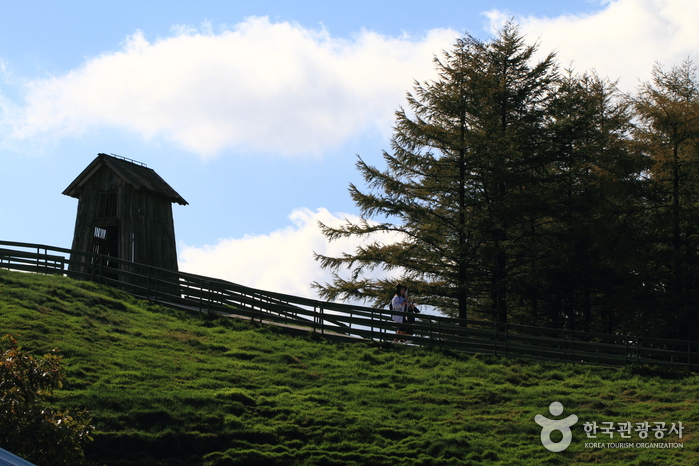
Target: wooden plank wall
column 145, row 223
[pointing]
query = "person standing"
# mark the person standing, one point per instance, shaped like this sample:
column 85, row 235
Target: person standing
column 399, row 303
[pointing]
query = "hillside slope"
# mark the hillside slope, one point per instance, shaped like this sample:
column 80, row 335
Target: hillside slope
column 167, row 388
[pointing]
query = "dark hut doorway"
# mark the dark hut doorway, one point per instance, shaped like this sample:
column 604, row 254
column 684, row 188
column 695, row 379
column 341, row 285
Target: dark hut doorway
column 105, row 241
column 105, row 237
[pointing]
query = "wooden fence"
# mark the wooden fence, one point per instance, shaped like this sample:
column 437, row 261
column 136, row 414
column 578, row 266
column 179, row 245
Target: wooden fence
column 344, row 321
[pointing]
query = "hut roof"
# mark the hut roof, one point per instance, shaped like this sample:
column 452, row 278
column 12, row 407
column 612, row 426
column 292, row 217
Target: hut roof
column 137, row 175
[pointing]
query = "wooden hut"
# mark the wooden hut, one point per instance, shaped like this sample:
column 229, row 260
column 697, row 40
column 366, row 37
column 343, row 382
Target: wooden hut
column 124, row 211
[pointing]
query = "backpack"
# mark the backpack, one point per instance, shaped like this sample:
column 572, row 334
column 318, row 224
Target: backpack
column 411, row 318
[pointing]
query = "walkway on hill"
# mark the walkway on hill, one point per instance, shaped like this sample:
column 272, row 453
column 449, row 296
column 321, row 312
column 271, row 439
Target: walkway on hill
column 345, row 322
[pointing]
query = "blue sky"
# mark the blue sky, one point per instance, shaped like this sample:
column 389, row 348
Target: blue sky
column 255, row 111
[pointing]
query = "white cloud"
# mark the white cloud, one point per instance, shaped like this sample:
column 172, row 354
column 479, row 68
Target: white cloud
column 285, row 89
column 281, row 261
column 621, row 41
column 261, row 86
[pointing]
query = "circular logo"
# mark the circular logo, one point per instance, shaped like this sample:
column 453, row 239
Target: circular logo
column 561, row 425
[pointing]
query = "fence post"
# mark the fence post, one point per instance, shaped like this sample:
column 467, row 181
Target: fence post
column 495, row 342
column 156, row 286
column 505, row 339
column 430, row 331
column 210, row 298
column 201, row 295
column 322, row 328
column 253, row 307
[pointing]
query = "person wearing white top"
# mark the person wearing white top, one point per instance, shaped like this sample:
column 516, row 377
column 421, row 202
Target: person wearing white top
column 399, row 303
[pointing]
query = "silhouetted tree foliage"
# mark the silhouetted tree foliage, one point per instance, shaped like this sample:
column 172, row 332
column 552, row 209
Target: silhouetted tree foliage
column 455, row 181
column 524, row 194
column 667, row 135
column 29, row 426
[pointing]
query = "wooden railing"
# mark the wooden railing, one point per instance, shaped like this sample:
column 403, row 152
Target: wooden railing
column 345, row 321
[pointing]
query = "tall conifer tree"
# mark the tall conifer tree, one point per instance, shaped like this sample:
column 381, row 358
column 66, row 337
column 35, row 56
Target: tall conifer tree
column 459, row 182
column 668, row 135
column 585, row 233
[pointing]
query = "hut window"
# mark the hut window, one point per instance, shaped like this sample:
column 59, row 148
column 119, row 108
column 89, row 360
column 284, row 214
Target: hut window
column 108, row 205
column 100, row 233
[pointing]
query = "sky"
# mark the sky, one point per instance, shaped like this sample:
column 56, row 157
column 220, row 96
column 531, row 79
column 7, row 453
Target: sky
column 256, row 112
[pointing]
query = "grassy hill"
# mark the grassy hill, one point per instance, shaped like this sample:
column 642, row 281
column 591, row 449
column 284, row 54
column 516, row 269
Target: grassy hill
column 167, row 388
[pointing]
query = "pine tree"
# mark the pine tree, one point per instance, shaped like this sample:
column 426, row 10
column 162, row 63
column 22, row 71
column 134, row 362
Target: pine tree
column 459, row 182
column 668, row 135
column 584, row 233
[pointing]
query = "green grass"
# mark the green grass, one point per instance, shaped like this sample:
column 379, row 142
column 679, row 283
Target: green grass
column 168, row 388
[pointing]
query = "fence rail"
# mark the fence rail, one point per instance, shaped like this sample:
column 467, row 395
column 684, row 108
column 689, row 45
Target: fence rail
column 345, row 321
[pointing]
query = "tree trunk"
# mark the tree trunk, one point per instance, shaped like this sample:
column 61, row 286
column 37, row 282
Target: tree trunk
column 676, row 236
